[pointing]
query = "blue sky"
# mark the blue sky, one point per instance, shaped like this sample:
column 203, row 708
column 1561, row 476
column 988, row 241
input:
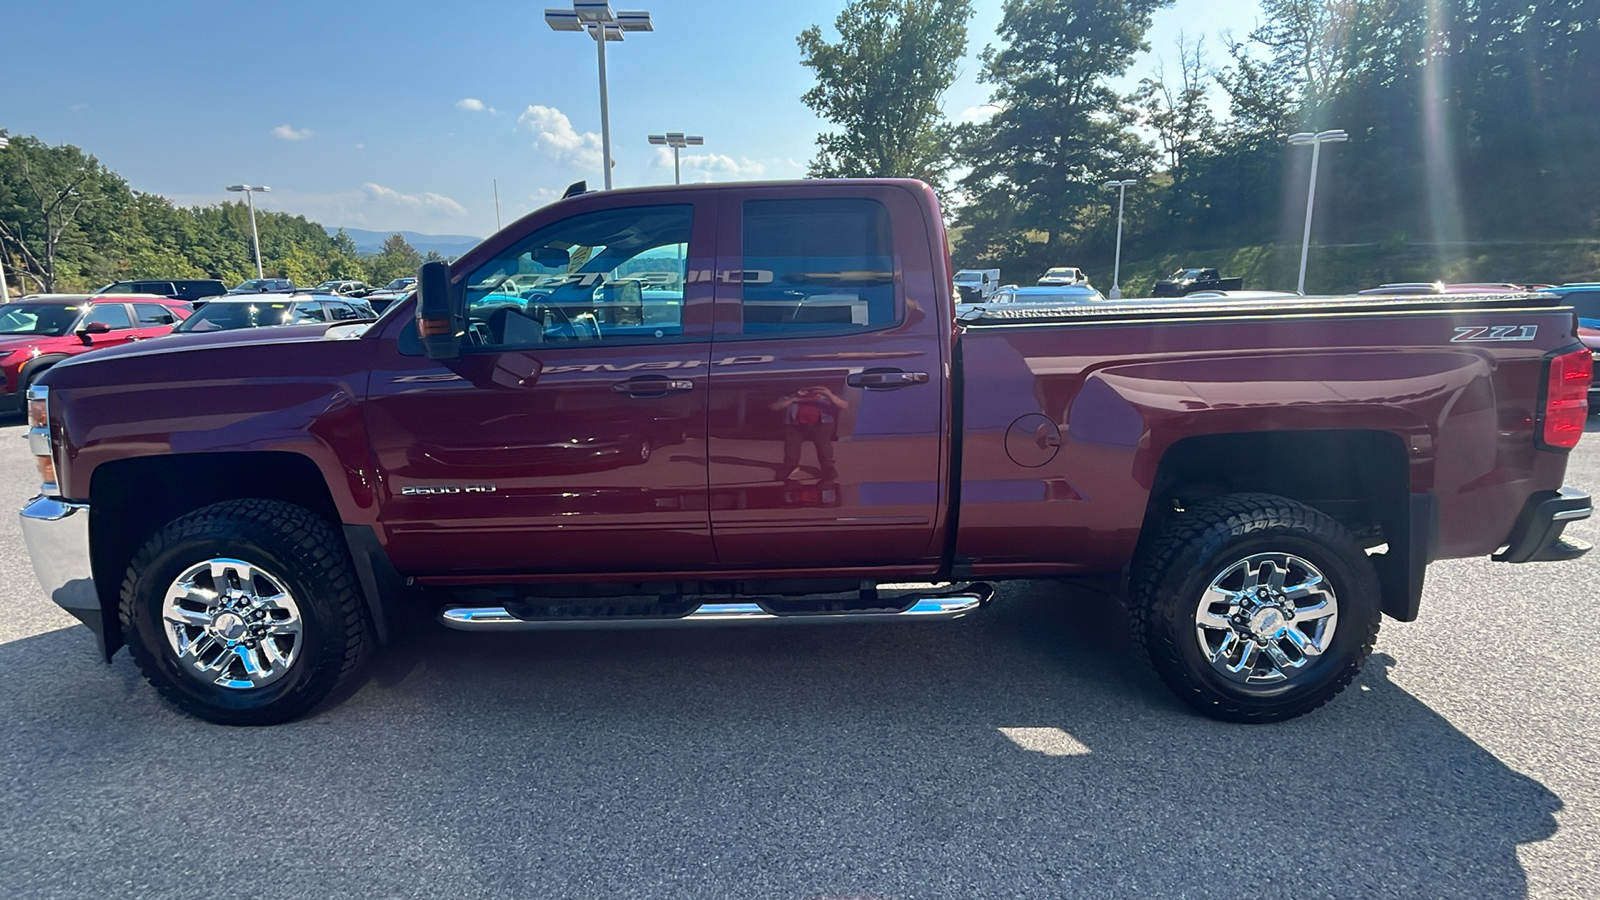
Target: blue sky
column 400, row 115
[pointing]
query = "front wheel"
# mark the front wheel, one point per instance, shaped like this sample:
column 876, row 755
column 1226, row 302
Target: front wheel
column 245, row 612
column 1255, row 608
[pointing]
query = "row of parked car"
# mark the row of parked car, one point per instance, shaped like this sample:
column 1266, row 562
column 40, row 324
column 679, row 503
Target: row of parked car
column 41, row 330
column 200, row 290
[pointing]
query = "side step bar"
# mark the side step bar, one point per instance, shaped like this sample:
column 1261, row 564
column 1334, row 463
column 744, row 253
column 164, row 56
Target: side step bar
column 937, row 609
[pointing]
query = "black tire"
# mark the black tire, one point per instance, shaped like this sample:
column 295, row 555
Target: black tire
column 1215, row 536
column 291, row 546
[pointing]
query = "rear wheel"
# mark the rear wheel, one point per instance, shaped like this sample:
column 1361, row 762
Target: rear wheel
column 1255, row 608
column 245, row 612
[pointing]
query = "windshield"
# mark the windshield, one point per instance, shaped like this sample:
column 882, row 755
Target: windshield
column 968, row 278
column 217, row 316
column 399, row 284
column 37, row 318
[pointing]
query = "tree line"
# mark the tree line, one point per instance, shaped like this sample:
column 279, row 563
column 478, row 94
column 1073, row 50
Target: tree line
column 1469, row 121
column 69, row 224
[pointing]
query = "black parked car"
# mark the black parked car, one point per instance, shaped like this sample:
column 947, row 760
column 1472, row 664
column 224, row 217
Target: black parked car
column 191, row 289
column 263, row 286
column 1186, row 281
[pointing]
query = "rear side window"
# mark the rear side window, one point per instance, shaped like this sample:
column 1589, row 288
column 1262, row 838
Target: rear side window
column 152, row 314
column 114, row 315
column 817, row 266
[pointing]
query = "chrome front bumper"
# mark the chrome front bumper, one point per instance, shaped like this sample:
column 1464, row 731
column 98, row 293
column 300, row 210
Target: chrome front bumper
column 57, row 534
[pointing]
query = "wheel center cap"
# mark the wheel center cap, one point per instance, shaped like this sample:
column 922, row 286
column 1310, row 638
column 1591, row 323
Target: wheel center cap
column 1267, row 622
column 228, row 626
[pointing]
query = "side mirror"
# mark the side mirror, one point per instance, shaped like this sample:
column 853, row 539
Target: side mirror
column 92, row 328
column 441, row 321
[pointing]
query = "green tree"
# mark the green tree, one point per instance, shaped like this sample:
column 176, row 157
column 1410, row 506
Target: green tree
column 1037, row 165
column 882, row 84
column 44, row 192
column 397, row 259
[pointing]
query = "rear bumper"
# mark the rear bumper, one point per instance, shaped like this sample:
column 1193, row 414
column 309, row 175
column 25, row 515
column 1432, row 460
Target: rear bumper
column 57, row 535
column 1537, row 534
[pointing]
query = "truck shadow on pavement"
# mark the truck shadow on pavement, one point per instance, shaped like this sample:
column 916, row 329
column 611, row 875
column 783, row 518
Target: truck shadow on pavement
column 1023, row 751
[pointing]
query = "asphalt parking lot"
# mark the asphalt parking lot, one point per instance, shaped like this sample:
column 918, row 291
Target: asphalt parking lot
column 1024, row 751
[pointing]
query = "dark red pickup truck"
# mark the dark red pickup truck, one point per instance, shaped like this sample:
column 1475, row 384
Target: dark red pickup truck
column 752, row 403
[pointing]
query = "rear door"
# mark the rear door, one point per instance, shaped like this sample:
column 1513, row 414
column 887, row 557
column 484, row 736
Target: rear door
column 828, row 408
column 153, row 320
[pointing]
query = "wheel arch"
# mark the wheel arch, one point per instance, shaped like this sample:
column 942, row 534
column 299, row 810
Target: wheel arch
column 129, row 499
column 31, row 369
column 1360, row 478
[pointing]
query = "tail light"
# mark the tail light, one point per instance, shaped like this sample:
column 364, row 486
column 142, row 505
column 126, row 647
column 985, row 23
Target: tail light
column 39, row 437
column 1566, row 399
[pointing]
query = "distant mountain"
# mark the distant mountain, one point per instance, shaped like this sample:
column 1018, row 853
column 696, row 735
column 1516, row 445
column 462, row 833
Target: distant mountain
column 451, row 245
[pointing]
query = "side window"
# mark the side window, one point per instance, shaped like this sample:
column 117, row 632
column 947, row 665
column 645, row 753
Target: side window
column 817, row 266
column 615, row 275
column 114, row 315
column 153, row 314
column 340, row 311
column 309, row 311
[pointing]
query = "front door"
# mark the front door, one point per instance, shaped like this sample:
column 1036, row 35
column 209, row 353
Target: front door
column 827, row 415
column 569, row 437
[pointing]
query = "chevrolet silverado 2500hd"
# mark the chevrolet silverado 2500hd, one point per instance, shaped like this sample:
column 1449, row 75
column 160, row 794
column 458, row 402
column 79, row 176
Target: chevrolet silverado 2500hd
column 753, row 403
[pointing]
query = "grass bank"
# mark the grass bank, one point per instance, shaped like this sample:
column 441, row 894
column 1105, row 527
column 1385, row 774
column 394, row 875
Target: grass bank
column 1342, row 268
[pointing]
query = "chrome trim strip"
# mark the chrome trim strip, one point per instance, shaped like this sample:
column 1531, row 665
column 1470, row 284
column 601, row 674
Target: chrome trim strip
column 57, row 535
column 1571, row 515
column 495, row 618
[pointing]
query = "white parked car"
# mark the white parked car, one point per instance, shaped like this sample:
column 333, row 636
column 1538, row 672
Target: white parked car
column 1064, row 275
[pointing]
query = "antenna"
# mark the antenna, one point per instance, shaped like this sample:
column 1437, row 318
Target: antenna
column 576, row 188
column 496, row 182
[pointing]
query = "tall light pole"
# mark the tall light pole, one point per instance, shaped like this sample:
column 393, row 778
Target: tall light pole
column 596, row 18
column 1116, row 268
column 677, row 140
column 1331, row 136
column 250, row 192
column 5, row 293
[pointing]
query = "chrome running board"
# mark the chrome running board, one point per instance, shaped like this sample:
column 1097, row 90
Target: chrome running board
column 926, row 609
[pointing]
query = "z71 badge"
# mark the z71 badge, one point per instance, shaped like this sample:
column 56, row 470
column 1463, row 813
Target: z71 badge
column 1477, row 334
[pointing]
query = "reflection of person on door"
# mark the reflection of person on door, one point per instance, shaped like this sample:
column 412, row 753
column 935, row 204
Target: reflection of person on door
column 809, row 414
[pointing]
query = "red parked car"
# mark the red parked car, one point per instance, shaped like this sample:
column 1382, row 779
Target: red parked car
column 38, row 332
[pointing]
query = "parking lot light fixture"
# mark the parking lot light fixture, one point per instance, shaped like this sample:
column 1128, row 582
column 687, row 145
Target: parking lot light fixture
column 677, row 140
column 1331, row 136
column 5, row 293
column 1116, row 268
column 596, row 18
column 250, row 192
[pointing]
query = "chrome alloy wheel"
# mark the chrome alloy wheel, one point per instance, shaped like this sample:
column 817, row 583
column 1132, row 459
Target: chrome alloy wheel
column 232, row 624
column 1266, row 618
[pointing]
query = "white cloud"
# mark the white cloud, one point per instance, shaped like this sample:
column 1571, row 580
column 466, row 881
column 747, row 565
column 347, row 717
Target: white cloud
column 377, row 193
column 290, row 133
column 555, row 137
column 473, row 104
column 359, row 146
column 710, row 166
column 978, row 113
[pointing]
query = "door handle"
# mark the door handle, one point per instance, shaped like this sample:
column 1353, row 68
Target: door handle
column 647, row 386
column 886, row 379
